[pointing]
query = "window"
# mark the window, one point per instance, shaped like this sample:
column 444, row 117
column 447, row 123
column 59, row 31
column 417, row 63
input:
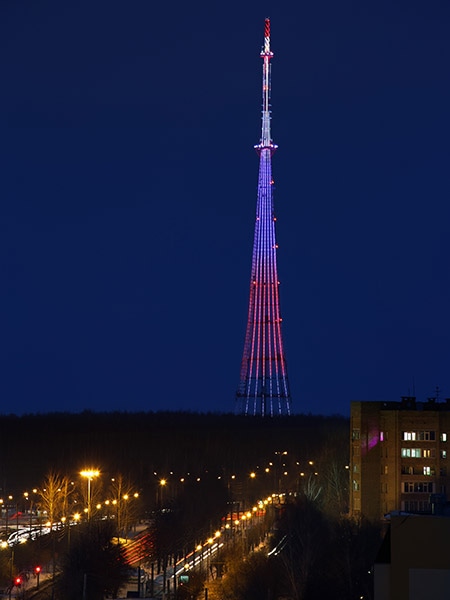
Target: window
column 430, row 453
column 383, row 436
column 416, row 506
column 422, row 436
column 411, row 453
column 407, row 470
column 443, row 471
column 355, row 468
column 355, row 485
column 443, row 453
column 427, row 471
column 418, row 487
column 443, row 437
column 426, row 436
column 355, row 434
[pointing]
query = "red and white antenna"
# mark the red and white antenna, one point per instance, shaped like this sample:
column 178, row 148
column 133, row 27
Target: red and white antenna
column 267, row 36
column 266, row 55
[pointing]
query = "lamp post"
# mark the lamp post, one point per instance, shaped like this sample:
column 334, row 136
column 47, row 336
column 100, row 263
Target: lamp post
column 125, row 516
column 6, row 506
column 162, row 484
column 30, row 508
column 89, row 474
column 4, row 546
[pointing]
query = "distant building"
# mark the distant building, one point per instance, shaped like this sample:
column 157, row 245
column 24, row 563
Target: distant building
column 414, row 560
column 399, row 457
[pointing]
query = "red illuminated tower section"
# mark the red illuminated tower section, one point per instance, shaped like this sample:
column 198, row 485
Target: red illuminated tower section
column 264, row 386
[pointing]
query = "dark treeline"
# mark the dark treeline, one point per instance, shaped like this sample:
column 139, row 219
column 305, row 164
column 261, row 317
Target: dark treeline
column 140, row 444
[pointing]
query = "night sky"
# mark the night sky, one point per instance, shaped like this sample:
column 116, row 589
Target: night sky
column 128, row 194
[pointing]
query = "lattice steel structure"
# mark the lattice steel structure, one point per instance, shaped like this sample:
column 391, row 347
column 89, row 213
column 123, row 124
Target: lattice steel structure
column 264, row 386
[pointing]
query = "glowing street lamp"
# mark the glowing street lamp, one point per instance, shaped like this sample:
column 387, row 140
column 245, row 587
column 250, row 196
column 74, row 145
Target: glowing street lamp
column 89, row 474
column 162, row 484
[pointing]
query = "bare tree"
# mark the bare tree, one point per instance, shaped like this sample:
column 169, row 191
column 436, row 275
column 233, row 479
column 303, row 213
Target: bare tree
column 51, row 495
column 124, row 500
column 298, row 545
column 312, row 489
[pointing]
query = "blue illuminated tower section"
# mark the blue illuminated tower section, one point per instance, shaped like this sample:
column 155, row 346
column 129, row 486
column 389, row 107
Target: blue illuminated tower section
column 264, row 386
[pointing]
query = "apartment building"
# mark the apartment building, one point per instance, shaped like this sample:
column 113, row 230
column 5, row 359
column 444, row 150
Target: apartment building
column 399, row 455
column 414, row 559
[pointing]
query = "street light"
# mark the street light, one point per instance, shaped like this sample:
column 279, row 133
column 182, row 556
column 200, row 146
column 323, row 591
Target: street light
column 89, row 474
column 162, row 484
column 4, row 546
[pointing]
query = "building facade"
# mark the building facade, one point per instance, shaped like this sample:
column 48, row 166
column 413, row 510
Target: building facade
column 399, row 455
column 414, row 559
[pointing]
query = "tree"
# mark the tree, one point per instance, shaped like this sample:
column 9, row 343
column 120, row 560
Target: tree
column 299, row 546
column 94, row 566
column 251, row 578
column 54, row 494
column 124, row 500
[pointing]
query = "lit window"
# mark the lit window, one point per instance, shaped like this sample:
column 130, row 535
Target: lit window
column 411, row 452
column 443, row 453
column 355, row 434
column 429, row 453
column 355, row 485
column 427, row 470
column 381, row 436
column 422, row 436
column 443, row 437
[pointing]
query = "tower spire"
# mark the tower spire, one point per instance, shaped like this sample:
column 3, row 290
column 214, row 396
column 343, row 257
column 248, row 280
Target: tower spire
column 264, row 387
column 266, row 55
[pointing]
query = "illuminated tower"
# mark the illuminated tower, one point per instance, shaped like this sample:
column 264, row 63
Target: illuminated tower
column 264, row 387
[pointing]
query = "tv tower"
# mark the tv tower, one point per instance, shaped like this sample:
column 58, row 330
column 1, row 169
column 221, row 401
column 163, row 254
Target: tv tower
column 264, row 386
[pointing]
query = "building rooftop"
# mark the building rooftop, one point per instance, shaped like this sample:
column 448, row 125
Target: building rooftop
column 411, row 403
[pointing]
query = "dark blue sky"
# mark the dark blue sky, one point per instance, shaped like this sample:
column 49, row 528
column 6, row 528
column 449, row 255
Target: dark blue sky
column 128, row 192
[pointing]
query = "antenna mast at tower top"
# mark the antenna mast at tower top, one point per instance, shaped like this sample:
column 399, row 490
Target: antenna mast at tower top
column 266, row 55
